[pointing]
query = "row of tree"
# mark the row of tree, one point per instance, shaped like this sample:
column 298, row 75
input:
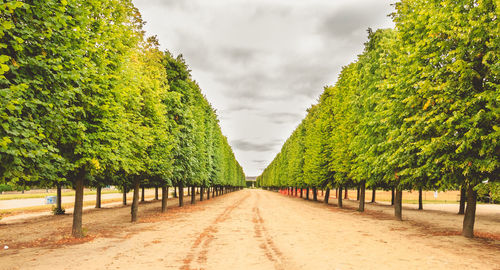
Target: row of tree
column 417, row 110
column 87, row 100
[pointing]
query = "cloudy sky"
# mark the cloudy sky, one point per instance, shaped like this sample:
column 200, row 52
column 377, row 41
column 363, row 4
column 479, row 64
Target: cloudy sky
column 262, row 63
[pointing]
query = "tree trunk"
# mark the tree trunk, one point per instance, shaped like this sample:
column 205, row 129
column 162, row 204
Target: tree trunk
column 470, row 212
column 398, row 204
column 175, row 192
column 124, row 195
column 392, row 196
column 142, row 195
column 373, row 194
column 315, row 194
column 327, row 196
column 322, row 193
column 346, row 195
column 307, row 193
column 213, row 192
column 135, row 200
column 201, row 194
column 362, row 189
column 193, row 195
column 296, row 190
column 181, row 194
column 420, row 203
column 164, row 199
column 59, row 198
column 208, row 193
column 98, row 197
column 77, row 230
column 357, row 193
column 156, row 193
column 336, row 192
column 189, row 191
column 339, row 197
column 301, row 193
column 463, row 197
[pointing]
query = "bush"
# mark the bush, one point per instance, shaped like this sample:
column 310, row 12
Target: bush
column 488, row 192
column 58, row 211
column 5, row 187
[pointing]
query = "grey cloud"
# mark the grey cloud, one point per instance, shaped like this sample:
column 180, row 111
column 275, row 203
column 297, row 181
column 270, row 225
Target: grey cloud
column 274, row 10
column 238, row 54
column 184, row 4
column 238, row 106
column 351, row 21
column 294, row 77
column 245, row 145
column 282, row 117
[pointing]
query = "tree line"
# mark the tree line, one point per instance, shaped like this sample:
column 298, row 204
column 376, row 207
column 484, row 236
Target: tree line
column 418, row 109
column 88, row 100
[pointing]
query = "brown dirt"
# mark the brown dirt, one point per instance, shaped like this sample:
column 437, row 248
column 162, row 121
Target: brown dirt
column 252, row 229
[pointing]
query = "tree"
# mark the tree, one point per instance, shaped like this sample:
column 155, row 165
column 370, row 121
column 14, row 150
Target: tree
column 450, row 63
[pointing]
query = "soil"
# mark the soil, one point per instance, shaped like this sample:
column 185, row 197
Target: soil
column 253, row 229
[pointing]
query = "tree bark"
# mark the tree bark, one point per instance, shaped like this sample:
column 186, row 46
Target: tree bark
column 346, row 195
column 373, row 194
column 362, row 192
column 77, row 230
column 301, row 193
column 135, row 200
column 315, row 194
column 357, row 193
column 201, row 194
column 213, row 192
column 392, row 196
column 307, row 193
column 193, row 195
column 189, row 191
column 164, row 199
column 336, row 192
column 124, row 195
column 398, row 204
column 59, row 199
column 208, row 193
column 98, row 197
column 156, row 193
column 327, row 196
column 420, row 203
column 463, row 197
column 339, row 197
column 175, row 192
column 142, row 195
column 470, row 212
column 181, row 194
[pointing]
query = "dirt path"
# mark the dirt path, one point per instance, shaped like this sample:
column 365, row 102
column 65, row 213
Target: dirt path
column 249, row 229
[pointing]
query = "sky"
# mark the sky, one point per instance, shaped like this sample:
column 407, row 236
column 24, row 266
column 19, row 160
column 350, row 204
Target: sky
column 262, row 63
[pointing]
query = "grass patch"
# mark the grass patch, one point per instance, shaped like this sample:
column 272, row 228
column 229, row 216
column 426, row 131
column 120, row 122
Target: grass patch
column 425, row 201
column 43, row 195
column 48, row 207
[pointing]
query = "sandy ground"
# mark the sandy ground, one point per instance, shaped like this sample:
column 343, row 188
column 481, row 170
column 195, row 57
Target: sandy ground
column 250, row 229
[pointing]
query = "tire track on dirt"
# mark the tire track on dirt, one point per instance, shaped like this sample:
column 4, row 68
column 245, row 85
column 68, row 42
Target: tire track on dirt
column 200, row 247
column 270, row 249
